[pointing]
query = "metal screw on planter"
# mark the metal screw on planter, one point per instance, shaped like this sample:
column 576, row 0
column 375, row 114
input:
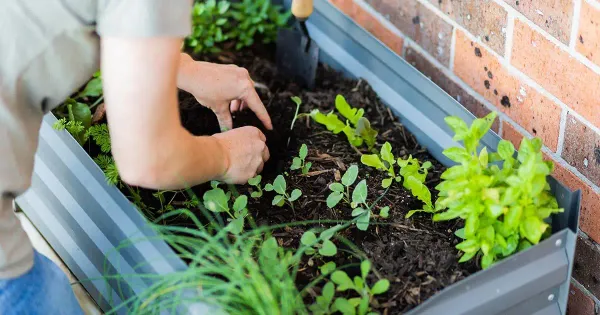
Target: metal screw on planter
column 558, row 243
column 551, row 297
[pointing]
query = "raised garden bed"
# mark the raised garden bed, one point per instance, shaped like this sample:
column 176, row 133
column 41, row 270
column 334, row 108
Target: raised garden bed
column 416, row 255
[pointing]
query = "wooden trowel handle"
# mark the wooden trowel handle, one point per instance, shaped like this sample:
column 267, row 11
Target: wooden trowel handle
column 302, row 9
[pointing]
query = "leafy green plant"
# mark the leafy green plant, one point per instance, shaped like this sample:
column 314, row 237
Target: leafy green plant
column 322, row 245
column 256, row 17
column 504, row 208
column 411, row 170
column 255, row 182
column 342, row 191
column 210, row 26
column 366, row 294
column 100, row 135
column 357, row 128
column 282, row 197
column 216, row 200
column 299, row 162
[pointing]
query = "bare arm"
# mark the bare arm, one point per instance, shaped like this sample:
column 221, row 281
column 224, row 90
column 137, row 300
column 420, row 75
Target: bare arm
column 150, row 146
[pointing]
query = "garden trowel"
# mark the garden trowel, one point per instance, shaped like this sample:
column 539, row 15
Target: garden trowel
column 297, row 54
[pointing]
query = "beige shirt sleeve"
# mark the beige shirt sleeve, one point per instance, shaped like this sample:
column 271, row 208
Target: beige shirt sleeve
column 144, row 18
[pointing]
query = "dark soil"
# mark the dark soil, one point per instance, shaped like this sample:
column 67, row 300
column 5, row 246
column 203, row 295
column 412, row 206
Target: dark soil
column 416, row 255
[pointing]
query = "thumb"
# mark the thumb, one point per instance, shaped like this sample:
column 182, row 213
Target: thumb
column 224, row 118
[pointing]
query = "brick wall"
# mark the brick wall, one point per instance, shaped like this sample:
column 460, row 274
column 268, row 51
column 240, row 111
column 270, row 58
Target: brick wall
column 536, row 62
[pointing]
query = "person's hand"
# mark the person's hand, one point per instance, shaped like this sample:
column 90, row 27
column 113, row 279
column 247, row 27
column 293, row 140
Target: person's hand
column 245, row 151
column 222, row 88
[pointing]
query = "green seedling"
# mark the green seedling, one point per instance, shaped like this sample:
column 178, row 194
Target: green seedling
column 411, row 170
column 299, row 162
column 504, row 208
column 282, row 197
column 216, row 200
column 209, row 26
column 255, row 182
column 366, row 295
column 323, row 303
column 384, row 212
column 252, row 18
column 357, row 128
column 321, row 245
column 361, row 210
column 342, row 191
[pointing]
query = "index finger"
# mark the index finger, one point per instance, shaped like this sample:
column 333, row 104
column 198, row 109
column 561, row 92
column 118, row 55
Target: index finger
column 257, row 106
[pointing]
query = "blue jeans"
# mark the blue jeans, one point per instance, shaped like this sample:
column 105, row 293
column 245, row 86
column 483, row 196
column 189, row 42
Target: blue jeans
column 44, row 289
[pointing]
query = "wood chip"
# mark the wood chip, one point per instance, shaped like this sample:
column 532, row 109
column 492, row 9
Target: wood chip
column 99, row 114
column 337, row 175
column 315, row 173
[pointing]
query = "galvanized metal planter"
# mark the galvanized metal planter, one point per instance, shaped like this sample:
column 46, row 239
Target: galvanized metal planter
column 84, row 219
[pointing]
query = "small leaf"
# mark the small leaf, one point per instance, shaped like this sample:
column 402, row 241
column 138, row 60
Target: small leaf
column 327, row 234
column 303, row 151
column 386, row 153
column 457, row 154
column 256, row 194
column 343, row 306
column 240, row 203
column 216, row 200
column 328, row 249
column 487, row 261
column 333, row 199
column 460, row 233
column 269, row 187
column 359, row 283
column 362, row 223
column 427, row 165
column 308, row 238
column 279, row 185
column 372, row 160
column 328, row 289
column 236, row 226
column 384, row 212
column 296, row 100
column 533, row 228
column 350, row 176
column 328, row 268
column 82, row 113
column 467, row 256
column 484, row 157
column 506, row 149
column 358, row 211
column 296, row 164
column 365, row 267
column 254, row 181
column 306, row 167
column 278, row 200
column 342, row 280
column 296, row 193
column 359, row 195
column 336, row 187
column 380, row 286
column 387, row 182
column 457, row 125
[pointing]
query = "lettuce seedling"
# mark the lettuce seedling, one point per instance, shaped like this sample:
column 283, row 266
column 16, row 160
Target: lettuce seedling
column 357, row 128
column 216, row 200
column 255, row 181
column 280, row 187
column 299, row 162
column 411, row 170
column 209, row 26
column 361, row 304
column 504, row 208
column 342, row 191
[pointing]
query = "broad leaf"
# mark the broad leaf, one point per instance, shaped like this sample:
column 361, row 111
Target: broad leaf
column 327, row 269
column 386, row 153
column 336, row 187
column 533, row 228
column 505, row 149
column 457, row 154
column 365, row 267
column 341, row 279
column 308, row 238
column 303, row 152
column 358, row 211
column 278, row 200
column 236, row 226
column 350, row 176
column 254, row 181
column 269, row 187
column 334, row 198
column 467, row 256
column 384, row 212
column 279, row 185
column 240, row 203
column 296, row 164
column 372, row 160
column 362, row 222
column 457, row 125
column 380, row 287
column 216, row 200
column 359, row 195
column 343, row 306
column 330, row 121
column 328, row 249
column 352, row 114
column 387, row 182
column 296, row 193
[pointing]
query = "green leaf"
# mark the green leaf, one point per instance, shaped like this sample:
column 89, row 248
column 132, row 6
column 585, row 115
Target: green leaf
column 387, row 182
column 468, row 246
column 457, row 154
column 328, row 268
column 358, row 211
column 365, row 132
column 359, row 283
column 523, row 245
column 359, row 195
column 236, row 226
column 426, row 165
column 296, row 164
column 384, row 212
column 506, row 150
column 460, row 233
column 471, row 225
column 278, row 200
column 330, row 121
column 92, row 89
column 296, row 193
column 308, row 238
column 306, row 167
column 350, row 176
column 352, row 114
column 269, row 187
column 240, row 203
column 343, row 306
column 214, row 183
column 334, row 198
column 467, row 256
column 328, row 249
column 362, row 222
column 457, row 125
column 380, row 287
column 386, row 153
column 487, row 261
column 82, row 113
column 363, row 306
column 255, row 181
column 484, row 157
column 328, row 289
column 454, row 172
column 365, row 267
column 327, row 234
column 513, row 216
column 303, row 151
column 533, row 228
column 216, row 200
column 341, row 279
column 372, row 160
column 296, row 100
column 279, row 185
column 337, row 187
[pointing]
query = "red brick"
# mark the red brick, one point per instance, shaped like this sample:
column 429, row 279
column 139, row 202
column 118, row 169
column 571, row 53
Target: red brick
column 588, row 38
column 484, row 19
column 557, row 71
column 553, row 16
column 421, row 24
column 586, row 269
column 449, row 85
column 579, row 303
column 371, row 24
column 511, row 134
column 589, row 220
column 582, row 149
column 480, row 69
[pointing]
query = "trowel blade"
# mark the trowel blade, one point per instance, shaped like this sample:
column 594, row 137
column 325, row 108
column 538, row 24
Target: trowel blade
column 297, row 56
